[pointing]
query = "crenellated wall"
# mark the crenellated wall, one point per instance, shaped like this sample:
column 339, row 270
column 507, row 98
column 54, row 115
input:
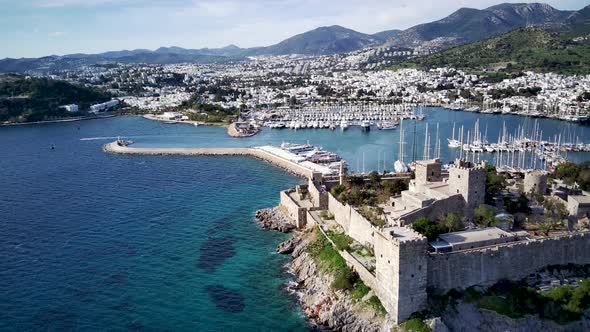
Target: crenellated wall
column 296, row 213
column 319, row 197
column 402, row 273
column 512, row 261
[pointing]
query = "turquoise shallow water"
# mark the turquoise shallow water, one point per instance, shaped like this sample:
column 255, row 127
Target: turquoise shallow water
column 94, row 241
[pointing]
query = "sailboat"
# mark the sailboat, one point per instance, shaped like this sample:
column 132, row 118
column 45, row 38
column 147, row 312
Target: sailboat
column 453, row 142
column 399, row 166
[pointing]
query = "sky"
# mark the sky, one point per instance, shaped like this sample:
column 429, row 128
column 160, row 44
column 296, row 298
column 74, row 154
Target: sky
column 33, row 28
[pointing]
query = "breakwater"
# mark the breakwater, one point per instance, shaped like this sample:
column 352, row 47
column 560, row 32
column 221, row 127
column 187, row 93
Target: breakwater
column 258, row 153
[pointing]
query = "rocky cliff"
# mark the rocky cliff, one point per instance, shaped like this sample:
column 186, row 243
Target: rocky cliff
column 325, row 306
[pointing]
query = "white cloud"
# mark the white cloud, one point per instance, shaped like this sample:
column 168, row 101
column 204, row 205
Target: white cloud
column 56, row 34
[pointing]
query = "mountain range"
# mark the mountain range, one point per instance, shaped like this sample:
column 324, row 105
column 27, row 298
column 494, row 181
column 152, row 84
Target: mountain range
column 467, row 25
column 561, row 49
column 463, row 26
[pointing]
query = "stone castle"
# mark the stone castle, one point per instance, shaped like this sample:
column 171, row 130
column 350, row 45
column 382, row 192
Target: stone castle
column 406, row 264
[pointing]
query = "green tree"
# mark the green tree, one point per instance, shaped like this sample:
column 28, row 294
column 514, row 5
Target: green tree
column 337, row 190
column 484, row 216
column 495, row 183
column 375, row 179
column 520, row 205
column 567, row 172
column 430, row 229
column 452, row 222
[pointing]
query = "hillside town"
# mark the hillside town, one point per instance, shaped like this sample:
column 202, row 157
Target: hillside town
column 265, row 83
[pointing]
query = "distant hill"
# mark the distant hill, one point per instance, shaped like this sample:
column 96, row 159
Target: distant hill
column 464, row 26
column 37, row 99
column 523, row 49
column 320, row 41
column 467, row 25
column 384, row 35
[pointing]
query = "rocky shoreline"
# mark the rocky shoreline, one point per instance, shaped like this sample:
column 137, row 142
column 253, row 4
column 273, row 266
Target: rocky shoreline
column 324, row 307
column 274, row 219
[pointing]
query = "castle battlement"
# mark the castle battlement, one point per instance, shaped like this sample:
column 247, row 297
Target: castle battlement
column 467, row 165
column 404, row 267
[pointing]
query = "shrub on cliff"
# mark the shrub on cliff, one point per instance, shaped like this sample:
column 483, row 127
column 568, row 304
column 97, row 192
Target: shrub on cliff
column 329, row 260
column 341, row 240
column 359, row 291
column 375, row 303
column 415, row 325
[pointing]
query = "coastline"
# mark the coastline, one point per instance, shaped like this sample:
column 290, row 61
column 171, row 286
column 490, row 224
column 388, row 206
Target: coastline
column 195, row 123
column 73, row 119
column 323, row 306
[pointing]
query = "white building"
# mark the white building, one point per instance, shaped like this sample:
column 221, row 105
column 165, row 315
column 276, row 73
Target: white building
column 70, row 108
column 104, row 106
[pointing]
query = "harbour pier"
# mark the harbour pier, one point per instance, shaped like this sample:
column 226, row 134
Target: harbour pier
column 264, row 153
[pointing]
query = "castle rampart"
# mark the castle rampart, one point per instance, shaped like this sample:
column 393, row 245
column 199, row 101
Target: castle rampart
column 514, row 260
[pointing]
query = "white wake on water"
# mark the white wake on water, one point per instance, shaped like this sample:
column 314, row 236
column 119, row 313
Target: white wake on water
column 98, row 138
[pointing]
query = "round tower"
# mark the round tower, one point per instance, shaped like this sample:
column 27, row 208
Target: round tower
column 535, row 182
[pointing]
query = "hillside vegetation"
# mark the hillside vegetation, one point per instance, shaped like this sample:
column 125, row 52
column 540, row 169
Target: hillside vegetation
column 522, row 49
column 38, row 99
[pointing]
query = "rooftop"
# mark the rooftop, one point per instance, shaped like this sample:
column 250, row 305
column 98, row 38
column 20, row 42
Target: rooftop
column 403, row 233
column 428, row 162
column 473, row 236
column 581, row 199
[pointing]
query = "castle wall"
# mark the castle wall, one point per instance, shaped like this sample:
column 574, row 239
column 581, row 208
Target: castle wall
column 354, row 224
column 360, row 228
column 297, row 214
column 340, row 211
column 436, row 210
column 319, row 199
column 515, row 260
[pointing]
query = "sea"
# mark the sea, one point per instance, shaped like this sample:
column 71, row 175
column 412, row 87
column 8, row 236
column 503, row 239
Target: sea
column 96, row 241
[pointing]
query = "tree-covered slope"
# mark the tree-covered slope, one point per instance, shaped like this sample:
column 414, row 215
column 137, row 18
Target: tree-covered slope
column 522, row 49
column 26, row 99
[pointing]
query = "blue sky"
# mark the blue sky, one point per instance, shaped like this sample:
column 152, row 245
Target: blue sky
column 32, row 28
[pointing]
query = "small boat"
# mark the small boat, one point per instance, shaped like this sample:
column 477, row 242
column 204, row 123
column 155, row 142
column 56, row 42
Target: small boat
column 386, row 125
column 366, row 125
column 343, row 124
column 453, row 143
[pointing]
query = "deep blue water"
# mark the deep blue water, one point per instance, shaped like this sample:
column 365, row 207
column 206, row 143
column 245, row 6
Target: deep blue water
column 94, row 241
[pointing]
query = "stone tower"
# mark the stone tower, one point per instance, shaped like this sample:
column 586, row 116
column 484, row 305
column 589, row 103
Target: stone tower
column 427, row 171
column 469, row 180
column 401, row 271
column 535, row 182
